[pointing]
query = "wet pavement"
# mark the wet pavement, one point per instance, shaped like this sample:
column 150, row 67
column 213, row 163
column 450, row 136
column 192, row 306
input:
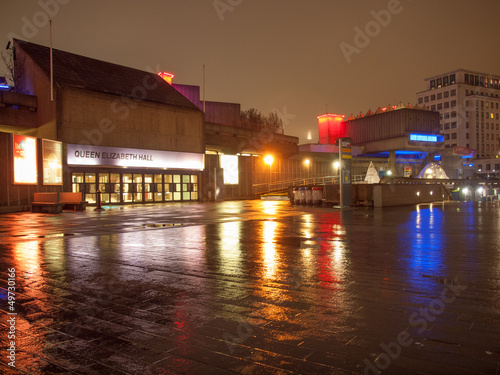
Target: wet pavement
column 252, row 287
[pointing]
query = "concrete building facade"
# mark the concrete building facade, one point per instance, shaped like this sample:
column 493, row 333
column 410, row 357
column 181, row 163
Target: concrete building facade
column 468, row 105
column 123, row 132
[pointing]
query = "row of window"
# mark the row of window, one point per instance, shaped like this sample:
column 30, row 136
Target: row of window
column 443, row 81
column 488, row 167
column 135, row 187
column 472, row 92
column 440, row 95
column 476, row 80
column 483, row 104
column 487, row 115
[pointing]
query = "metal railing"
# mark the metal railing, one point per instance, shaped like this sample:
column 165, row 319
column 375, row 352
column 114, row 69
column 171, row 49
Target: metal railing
column 279, row 186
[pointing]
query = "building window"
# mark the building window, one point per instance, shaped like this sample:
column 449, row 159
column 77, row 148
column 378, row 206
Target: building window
column 447, row 115
column 446, row 104
column 446, row 137
column 453, row 135
column 497, row 167
column 467, row 137
column 433, row 97
column 445, row 81
column 466, row 103
column 453, row 103
column 440, row 106
column 433, row 107
column 433, row 84
column 453, row 114
column 440, row 95
column 467, row 114
column 453, row 92
column 454, row 125
column 452, row 79
column 446, row 94
column 426, row 99
column 439, row 83
column 467, row 125
column 466, row 79
column 446, row 126
column 420, row 100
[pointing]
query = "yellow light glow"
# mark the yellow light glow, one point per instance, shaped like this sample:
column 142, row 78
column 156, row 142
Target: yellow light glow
column 269, row 159
column 307, row 161
column 336, row 165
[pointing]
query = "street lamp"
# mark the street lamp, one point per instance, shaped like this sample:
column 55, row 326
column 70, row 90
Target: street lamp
column 269, row 159
column 307, row 162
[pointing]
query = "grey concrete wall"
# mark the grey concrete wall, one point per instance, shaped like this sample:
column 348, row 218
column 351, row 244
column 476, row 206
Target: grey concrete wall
column 386, row 195
column 107, row 120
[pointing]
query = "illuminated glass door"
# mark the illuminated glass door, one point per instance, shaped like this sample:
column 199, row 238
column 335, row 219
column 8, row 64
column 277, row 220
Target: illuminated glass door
column 158, row 181
column 104, row 187
column 149, row 188
column 91, row 188
column 186, row 185
column 115, row 187
column 138, row 188
column 194, row 187
column 127, row 188
column 76, row 181
column 169, row 188
column 177, row 187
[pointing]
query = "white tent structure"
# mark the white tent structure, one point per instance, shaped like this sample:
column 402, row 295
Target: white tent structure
column 372, row 175
column 433, row 170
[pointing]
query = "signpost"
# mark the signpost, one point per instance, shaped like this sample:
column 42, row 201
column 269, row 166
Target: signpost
column 345, row 158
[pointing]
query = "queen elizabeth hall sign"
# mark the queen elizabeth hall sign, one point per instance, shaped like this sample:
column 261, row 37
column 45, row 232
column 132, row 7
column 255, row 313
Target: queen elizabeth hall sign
column 131, row 157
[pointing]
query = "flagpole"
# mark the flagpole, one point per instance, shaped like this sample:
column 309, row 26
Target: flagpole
column 51, row 66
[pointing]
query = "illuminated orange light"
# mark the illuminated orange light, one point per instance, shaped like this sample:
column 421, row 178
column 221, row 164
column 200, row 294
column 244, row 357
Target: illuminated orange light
column 167, row 77
column 269, row 159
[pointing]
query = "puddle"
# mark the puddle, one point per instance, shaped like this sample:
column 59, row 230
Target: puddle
column 158, row 225
column 53, row 235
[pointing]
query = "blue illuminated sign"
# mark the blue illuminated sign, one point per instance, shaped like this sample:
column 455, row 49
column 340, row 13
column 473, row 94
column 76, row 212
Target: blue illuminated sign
column 426, row 138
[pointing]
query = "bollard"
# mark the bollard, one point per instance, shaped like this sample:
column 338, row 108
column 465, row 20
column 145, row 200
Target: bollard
column 98, row 201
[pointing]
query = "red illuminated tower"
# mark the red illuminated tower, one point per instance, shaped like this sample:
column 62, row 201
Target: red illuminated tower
column 330, row 128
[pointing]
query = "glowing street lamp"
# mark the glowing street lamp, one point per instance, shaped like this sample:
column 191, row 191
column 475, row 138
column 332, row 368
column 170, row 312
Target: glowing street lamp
column 269, row 159
column 307, row 162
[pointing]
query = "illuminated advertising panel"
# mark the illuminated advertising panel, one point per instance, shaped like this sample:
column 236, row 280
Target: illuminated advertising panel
column 230, row 165
column 52, row 162
column 25, row 170
column 132, row 157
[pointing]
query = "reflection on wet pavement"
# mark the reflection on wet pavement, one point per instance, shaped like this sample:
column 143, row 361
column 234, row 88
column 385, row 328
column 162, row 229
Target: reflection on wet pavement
column 254, row 287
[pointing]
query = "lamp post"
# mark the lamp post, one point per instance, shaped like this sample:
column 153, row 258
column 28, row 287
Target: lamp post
column 307, row 162
column 269, row 159
column 336, row 165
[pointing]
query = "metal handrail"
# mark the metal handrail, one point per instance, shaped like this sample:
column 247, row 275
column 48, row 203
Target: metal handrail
column 270, row 187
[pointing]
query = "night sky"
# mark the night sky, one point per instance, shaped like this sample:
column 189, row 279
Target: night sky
column 283, row 55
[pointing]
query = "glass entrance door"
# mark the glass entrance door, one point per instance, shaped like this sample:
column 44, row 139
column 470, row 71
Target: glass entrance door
column 149, row 188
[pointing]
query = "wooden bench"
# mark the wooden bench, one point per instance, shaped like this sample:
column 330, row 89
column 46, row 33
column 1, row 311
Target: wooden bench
column 46, row 203
column 72, row 200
